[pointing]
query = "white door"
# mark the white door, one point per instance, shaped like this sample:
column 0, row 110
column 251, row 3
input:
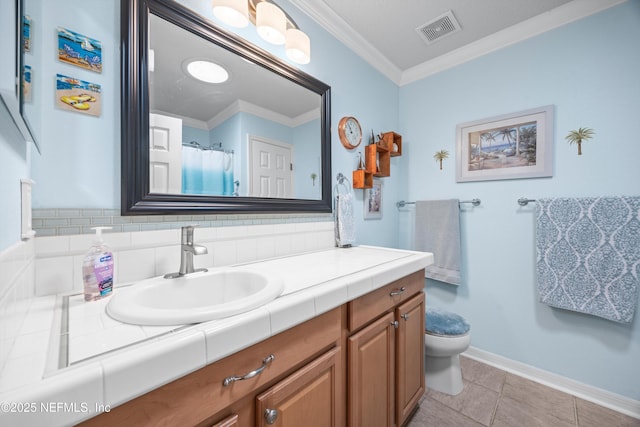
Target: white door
column 271, row 170
column 165, row 154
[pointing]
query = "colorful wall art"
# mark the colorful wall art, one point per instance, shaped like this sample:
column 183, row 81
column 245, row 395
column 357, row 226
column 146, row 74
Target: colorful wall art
column 79, row 50
column 77, row 95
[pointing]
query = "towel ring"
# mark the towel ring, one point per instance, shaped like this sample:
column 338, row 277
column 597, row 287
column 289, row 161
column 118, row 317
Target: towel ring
column 340, row 178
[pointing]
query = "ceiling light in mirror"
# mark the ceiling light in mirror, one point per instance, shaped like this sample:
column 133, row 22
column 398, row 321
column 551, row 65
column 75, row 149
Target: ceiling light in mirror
column 232, row 12
column 271, row 22
column 298, row 46
column 207, row 71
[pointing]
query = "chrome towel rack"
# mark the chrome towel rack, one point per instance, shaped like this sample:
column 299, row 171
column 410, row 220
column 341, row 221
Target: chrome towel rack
column 402, row 203
column 523, row 201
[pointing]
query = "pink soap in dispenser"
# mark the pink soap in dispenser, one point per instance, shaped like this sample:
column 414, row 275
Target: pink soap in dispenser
column 97, row 269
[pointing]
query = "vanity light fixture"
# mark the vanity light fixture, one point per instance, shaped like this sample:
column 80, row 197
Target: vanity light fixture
column 207, row 71
column 232, row 12
column 272, row 23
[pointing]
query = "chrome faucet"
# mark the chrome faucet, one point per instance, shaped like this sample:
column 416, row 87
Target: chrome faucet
column 187, row 250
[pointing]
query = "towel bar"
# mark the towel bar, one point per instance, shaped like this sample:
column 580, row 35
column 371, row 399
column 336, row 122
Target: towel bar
column 523, row 201
column 402, row 203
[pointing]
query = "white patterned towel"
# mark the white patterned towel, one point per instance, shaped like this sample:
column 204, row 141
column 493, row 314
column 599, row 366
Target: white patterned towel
column 588, row 255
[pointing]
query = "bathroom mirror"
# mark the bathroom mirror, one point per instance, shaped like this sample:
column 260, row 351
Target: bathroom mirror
column 15, row 75
column 265, row 104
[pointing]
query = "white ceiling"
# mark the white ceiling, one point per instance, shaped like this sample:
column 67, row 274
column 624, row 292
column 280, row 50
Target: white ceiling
column 383, row 31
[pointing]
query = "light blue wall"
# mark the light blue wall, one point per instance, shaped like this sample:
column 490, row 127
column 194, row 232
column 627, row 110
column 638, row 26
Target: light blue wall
column 80, row 162
column 201, row 136
column 590, row 71
column 14, row 166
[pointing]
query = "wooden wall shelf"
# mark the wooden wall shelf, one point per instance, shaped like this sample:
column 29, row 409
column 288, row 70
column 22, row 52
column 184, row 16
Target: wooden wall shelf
column 377, row 159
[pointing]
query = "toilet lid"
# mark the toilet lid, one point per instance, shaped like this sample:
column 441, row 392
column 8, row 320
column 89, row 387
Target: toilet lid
column 443, row 322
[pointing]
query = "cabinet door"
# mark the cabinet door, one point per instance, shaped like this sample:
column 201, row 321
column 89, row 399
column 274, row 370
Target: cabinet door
column 309, row 397
column 409, row 356
column 371, row 374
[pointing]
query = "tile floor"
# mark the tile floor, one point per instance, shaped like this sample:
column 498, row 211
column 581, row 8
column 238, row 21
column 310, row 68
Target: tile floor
column 492, row 397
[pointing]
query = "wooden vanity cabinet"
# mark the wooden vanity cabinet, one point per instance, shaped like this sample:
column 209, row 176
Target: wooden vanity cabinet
column 360, row 364
column 306, row 365
column 386, row 353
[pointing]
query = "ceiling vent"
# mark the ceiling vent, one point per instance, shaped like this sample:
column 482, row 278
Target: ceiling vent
column 442, row 26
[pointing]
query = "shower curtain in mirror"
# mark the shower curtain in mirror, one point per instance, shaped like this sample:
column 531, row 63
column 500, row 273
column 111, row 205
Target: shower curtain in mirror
column 207, row 172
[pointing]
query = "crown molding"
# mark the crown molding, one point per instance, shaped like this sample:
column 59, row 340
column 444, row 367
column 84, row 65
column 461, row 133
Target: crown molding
column 336, row 26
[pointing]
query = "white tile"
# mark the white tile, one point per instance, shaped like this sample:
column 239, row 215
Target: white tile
column 282, row 244
column 52, row 245
column 54, row 275
column 89, row 345
column 329, row 296
column 136, row 265
column 167, row 259
column 80, row 243
column 260, row 230
column 206, row 234
column 80, row 389
column 290, row 310
column 229, row 233
column 265, row 247
column 247, row 250
column 21, row 371
column 155, row 238
column 137, row 371
column 35, row 342
column 227, row 336
column 359, row 284
column 224, row 253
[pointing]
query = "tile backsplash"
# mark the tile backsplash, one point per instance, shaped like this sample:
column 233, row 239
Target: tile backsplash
column 64, row 222
column 17, row 288
column 142, row 254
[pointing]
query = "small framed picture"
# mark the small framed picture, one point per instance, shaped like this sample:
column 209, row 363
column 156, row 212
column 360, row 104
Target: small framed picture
column 78, row 95
column 79, row 50
column 373, row 201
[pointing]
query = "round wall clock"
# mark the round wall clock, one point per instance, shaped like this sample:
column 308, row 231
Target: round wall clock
column 350, row 132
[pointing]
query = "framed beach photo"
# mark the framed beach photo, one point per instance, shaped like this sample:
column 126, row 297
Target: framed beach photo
column 373, row 201
column 79, row 50
column 511, row 146
column 78, row 96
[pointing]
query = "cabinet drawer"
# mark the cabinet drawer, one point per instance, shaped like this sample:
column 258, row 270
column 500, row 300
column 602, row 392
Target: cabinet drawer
column 197, row 397
column 367, row 307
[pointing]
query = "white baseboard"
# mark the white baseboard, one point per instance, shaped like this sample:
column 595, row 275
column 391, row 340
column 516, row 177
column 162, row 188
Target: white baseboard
column 596, row 395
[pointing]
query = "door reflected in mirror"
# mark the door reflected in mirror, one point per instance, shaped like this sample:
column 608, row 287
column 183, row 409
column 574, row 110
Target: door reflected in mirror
column 254, row 133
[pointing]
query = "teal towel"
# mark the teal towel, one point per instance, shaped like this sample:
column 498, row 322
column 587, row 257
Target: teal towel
column 588, row 255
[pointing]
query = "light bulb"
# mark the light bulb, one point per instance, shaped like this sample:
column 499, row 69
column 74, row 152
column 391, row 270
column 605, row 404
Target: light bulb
column 271, row 22
column 298, row 46
column 232, row 12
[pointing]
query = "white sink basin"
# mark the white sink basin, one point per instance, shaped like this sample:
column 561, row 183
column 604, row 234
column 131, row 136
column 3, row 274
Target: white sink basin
column 196, row 297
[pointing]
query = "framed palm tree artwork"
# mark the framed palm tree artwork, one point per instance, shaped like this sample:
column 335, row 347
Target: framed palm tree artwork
column 510, row 146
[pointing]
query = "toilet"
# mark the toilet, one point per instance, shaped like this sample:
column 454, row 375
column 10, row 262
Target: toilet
column 446, row 336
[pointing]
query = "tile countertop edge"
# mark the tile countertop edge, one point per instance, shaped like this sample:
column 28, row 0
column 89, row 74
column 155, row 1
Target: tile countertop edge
column 283, row 313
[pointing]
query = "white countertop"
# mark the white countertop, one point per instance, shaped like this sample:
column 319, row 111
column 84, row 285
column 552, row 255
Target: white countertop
column 112, row 362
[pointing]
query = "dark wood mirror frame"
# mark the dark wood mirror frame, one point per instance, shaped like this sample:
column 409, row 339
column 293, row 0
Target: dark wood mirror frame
column 135, row 196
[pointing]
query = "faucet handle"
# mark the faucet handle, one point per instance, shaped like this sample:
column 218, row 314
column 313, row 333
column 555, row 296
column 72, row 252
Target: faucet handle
column 187, row 234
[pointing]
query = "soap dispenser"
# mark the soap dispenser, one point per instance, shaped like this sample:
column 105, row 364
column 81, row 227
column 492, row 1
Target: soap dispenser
column 97, row 268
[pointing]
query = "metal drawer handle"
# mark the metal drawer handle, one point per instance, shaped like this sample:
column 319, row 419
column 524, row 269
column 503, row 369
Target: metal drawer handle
column 270, row 416
column 405, row 316
column 230, row 380
column 398, row 292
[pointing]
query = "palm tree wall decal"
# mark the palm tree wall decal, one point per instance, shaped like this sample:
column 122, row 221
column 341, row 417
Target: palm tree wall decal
column 440, row 156
column 578, row 136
